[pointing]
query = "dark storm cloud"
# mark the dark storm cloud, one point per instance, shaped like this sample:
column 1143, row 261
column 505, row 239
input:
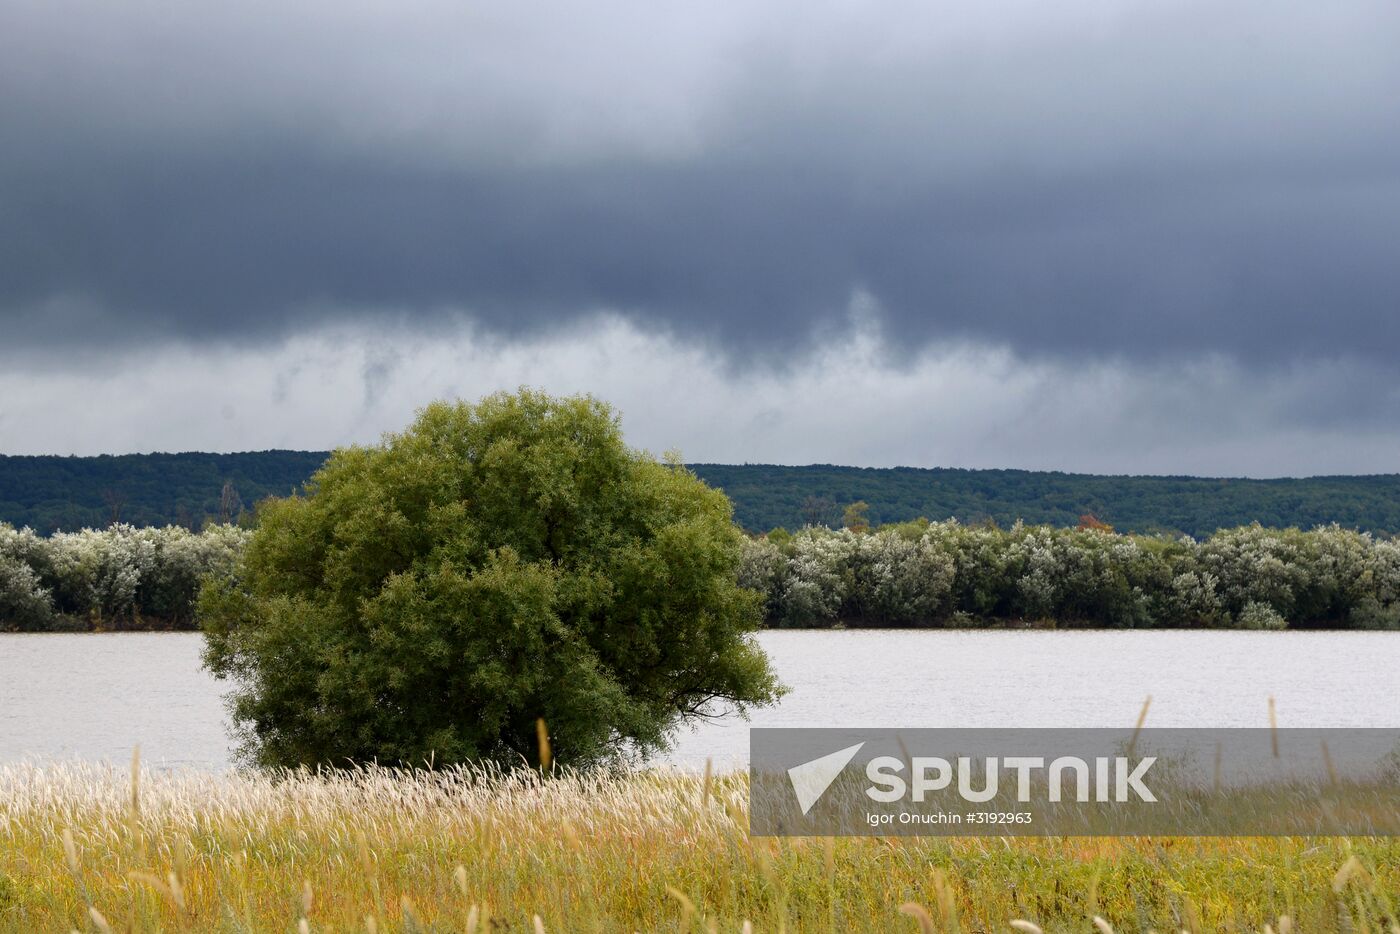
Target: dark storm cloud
column 1130, row 180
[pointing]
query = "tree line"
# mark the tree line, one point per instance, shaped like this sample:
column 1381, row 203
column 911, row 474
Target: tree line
column 948, row 574
column 51, row 493
column 120, row 577
column 769, row 496
column 933, row 574
column 70, row 493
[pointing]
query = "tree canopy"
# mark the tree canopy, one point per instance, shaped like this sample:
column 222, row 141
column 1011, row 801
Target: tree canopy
column 428, row 598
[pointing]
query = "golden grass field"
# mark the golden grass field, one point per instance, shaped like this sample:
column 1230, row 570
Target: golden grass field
column 92, row 848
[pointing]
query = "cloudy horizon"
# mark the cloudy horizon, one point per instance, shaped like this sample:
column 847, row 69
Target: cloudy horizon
column 1139, row 237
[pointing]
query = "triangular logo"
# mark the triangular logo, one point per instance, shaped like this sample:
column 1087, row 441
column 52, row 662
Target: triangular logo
column 810, row 780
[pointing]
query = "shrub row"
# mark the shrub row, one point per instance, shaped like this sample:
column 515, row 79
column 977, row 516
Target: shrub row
column 949, row 574
column 914, row 574
column 120, row 577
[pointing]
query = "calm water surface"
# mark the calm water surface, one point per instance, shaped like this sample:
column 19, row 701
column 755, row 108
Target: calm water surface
column 95, row 696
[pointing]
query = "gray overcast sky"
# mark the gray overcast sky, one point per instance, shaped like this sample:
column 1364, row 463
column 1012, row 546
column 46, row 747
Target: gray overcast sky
column 1130, row 236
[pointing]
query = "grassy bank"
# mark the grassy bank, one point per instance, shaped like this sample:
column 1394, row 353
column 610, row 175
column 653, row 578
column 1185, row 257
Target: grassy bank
column 83, row 847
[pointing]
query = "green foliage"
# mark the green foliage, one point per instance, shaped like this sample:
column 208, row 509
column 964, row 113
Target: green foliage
column 51, row 493
column 120, row 577
column 429, row 598
column 950, row 574
column 908, row 574
column 24, row 603
column 1257, row 615
column 766, row 496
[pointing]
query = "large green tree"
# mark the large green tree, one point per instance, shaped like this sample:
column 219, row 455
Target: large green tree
column 428, row 598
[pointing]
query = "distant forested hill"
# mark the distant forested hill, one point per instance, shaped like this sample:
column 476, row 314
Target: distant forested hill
column 768, row 496
column 49, row 493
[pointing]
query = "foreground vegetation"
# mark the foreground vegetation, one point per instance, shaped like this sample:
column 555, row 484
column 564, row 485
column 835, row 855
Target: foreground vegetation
column 434, row 595
column 88, row 848
column 53, row 493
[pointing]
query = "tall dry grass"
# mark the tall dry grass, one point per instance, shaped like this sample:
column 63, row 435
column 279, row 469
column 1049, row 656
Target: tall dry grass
column 93, row 848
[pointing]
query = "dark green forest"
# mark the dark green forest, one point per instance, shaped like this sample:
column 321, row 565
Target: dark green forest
column 768, row 496
column 67, row 493
column 52, row 493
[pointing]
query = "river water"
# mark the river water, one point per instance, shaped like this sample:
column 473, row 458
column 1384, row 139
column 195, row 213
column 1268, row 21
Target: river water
column 94, row 696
